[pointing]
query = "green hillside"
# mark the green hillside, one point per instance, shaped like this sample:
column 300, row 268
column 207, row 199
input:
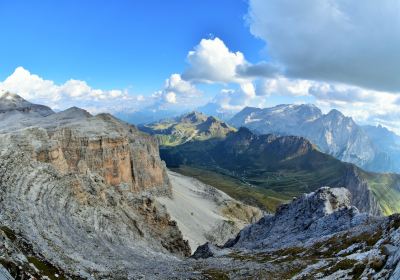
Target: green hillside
column 266, row 170
column 193, row 126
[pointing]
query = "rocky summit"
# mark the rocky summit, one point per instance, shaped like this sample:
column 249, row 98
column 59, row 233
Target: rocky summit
column 188, row 127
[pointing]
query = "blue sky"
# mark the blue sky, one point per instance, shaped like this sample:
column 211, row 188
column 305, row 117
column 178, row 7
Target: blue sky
column 175, row 55
column 116, row 44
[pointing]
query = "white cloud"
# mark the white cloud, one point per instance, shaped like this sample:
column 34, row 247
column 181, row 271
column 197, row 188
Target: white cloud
column 30, row 86
column 176, row 91
column 178, row 86
column 211, row 61
column 236, row 99
column 335, row 41
column 170, row 97
column 71, row 93
column 366, row 106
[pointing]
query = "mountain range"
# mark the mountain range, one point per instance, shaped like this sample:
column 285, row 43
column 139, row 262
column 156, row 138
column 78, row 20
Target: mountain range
column 332, row 133
column 87, row 196
column 192, row 126
column 265, row 170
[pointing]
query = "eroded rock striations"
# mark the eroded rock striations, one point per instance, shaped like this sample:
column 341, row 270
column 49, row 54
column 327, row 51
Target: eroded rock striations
column 77, row 187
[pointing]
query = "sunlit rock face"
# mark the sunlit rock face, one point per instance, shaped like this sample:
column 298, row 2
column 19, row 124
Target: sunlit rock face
column 79, row 189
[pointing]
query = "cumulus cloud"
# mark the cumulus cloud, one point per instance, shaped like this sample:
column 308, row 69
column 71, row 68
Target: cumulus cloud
column 211, row 61
column 71, row 93
column 30, row 86
column 364, row 105
column 170, row 97
column 176, row 91
column 177, row 85
column 261, row 69
column 234, row 99
column 335, row 41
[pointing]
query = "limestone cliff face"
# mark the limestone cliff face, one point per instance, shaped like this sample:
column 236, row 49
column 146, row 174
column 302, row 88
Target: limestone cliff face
column 362, row 196
column 119, row 160
column 79, row 222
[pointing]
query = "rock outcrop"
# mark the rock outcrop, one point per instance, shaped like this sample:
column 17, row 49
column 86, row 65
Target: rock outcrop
column 323, row 212
column 316, row 236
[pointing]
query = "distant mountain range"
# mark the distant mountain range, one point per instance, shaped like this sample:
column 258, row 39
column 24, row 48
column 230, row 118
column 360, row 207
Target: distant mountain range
column 188, row 127
column 267, row 169
column 372, row 148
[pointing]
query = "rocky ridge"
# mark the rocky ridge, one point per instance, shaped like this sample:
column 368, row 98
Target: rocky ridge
column 316, row 236
column 188, row 127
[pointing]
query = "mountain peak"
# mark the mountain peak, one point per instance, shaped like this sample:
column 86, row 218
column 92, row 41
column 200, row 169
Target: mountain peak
column 74, row 112
column 194, row 117
column 336, row 113
column 13, row 102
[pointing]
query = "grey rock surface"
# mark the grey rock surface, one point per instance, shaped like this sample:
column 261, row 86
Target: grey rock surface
column 316, row 236
column 78, row 188
column 320, row 213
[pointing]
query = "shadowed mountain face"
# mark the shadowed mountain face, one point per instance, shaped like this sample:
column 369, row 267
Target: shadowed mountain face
column 333, row 133
column 189, row 127
column 388, row 145
column 280, row 167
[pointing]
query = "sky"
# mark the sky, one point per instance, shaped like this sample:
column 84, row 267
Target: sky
column 127, row 56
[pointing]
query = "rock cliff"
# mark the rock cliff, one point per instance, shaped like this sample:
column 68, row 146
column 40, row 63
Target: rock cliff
column 77, row 187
